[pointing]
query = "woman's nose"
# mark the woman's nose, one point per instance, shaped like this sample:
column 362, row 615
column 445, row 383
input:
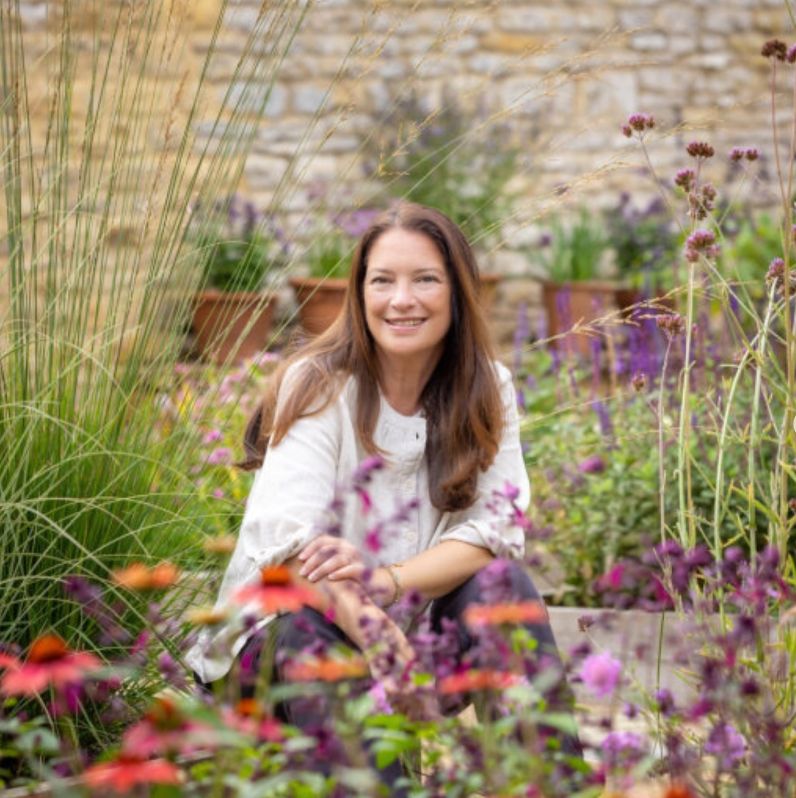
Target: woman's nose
column 403, row 294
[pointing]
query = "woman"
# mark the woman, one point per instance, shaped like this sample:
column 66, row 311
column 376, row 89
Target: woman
column 406, row 374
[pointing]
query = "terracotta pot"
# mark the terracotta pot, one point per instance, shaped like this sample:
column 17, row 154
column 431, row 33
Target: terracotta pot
column 321, row 300
column 568, row 303
column 227, row 323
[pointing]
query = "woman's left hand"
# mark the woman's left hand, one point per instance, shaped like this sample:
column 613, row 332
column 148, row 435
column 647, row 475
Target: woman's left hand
column 331, row 557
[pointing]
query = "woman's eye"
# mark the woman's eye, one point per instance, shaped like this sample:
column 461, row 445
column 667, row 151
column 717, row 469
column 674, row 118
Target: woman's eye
column 429, row 278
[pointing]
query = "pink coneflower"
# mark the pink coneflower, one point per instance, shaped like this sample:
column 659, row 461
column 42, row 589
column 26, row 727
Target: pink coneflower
column 276, row 592
column 166, row 729
column 50, row 663
column 125, row 773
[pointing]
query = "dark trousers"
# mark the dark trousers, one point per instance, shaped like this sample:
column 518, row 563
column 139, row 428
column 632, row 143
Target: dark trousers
column 308, row 631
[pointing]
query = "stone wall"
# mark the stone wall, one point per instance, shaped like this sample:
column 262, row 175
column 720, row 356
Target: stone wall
column 560, row 77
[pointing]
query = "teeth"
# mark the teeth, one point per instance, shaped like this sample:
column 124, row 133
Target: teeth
column 407, row 323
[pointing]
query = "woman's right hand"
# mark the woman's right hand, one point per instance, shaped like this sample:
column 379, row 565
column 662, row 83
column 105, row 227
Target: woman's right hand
column 332, row 558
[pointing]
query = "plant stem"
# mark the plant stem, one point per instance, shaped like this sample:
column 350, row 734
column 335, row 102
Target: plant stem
column 686, row 526
column 661, row 468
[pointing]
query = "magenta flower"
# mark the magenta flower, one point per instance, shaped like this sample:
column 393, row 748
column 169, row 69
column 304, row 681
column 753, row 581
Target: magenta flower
column 600, row 673
column 592, row 465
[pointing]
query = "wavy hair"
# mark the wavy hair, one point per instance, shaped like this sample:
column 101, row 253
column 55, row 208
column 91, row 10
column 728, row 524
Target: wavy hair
column 461, row 400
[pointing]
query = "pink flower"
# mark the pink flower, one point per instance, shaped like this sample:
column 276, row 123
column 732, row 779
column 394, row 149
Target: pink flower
column 212, row 436
column 373, row 539
column 49, row 664
column 219, row 456
column 124, row 773
column 592, row 465
column 600, row 674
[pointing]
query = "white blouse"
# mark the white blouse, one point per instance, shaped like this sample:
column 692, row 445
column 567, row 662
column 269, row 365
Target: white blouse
column 293, row 493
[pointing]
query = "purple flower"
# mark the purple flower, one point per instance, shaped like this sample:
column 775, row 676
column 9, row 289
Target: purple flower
column 700, row 149
column 727, row 744
column 600, row 673
column 623, row 749
column 592, row 465
column 774, row 48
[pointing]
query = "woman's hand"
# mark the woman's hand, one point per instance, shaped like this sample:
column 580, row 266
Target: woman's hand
column 331, row 557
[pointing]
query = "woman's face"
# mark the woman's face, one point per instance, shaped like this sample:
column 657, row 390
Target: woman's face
column 407, row 294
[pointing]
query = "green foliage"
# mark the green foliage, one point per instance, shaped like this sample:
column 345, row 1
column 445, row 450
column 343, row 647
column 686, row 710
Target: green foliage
column 575, row 251
column 448, row 159
column 98, row 292
column 329, row 254
column 747, row 254
column 598, row 495
column 645, row 243
column 239, row 250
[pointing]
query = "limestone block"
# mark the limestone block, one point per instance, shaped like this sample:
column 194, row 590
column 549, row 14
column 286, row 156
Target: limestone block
column 264, row 171
column 652, row 40
column 539, row 19
column 309, row 98
column 489, row 64
column 314, row 167
column 718, row 60
column 252, row 98
column 33, row 16
column 505, row 42
column 632, row 18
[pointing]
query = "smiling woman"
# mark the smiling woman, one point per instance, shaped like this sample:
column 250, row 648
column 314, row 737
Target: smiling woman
column 402, row 400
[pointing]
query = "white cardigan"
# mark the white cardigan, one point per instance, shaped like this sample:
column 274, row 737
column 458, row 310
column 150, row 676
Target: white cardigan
column 293, row 492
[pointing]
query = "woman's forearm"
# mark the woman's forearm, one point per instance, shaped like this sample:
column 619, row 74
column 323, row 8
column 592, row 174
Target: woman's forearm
column 437, row 570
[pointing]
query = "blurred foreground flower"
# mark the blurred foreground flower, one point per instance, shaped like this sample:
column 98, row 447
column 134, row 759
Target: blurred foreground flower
column 125, row 773
column 166, row 729
column 222, row 544
column 140, row 577
column 600, row 674
column 275, row 592
column 248, row 717
column 496, row 614
column 49, row 663
column 326, row 669
column 592, row 465
column 475, row 680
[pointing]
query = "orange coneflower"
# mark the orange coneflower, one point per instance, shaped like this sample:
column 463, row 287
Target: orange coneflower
column 474, row 680
column 140, row 577
column 49, row 663
column 275, row 592
column 497, row 614
column 326, row 669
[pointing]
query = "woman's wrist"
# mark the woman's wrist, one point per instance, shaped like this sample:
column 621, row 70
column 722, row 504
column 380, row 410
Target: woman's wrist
column 385, row 589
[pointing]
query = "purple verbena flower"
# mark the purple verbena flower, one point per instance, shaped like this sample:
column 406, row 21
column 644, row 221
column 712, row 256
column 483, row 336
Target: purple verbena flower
column 600, row 674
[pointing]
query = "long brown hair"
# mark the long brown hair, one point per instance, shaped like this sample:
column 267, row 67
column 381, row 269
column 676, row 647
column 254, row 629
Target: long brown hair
column 461, row 400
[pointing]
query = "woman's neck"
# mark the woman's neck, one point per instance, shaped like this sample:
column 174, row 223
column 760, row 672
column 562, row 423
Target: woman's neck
column 402, row 383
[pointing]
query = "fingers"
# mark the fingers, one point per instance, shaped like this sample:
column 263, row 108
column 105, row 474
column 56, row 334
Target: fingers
column 326, row 567
column 353, row 570
column 315, row 545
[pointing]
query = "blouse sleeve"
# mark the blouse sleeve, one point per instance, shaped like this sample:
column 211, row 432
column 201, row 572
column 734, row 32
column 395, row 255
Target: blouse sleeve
column 490, row 521
column 292, row 492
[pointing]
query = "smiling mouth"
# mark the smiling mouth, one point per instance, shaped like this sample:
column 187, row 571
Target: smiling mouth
column 405, row 322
